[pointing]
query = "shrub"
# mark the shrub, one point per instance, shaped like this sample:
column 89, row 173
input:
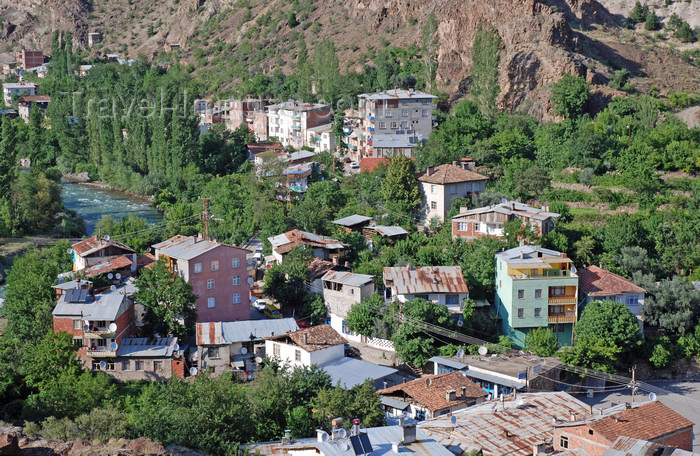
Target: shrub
column 652, row 21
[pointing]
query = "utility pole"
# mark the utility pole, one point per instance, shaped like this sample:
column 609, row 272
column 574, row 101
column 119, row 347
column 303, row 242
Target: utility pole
column 633, row 384
column 205, row 218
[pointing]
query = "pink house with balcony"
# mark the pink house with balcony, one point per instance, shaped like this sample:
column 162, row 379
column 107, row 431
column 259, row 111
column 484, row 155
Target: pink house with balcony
column 217, row 272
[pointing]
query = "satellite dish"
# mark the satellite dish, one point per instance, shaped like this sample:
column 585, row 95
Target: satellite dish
column 652, row 397
column 342, row 446
column 342, row 433
column 573, row 269
column 106, row 237
column 112, row 327
column 118, row 276
column 460, row 353
column 483, row 350
column 250, row 281
column 86, row 328
column 453, row 420
column 244, row 350
column 110, row 276
column 113, row 346
column 324, row 436
column 112, row 288
column 103, row 364
column 176, row 347
column 258, row 359
column 193, row 371
column 460, row 323
column 69, row 250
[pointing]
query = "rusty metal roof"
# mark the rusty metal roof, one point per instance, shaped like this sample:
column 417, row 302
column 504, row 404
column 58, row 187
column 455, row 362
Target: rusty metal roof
column 425, row 279
column 504, row 427
column 229, row 332
column 95, row 244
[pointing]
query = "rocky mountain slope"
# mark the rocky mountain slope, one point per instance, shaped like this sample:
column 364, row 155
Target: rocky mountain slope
column 541, row 39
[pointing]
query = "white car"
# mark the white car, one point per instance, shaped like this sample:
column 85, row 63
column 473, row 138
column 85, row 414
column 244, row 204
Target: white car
column 260, row 304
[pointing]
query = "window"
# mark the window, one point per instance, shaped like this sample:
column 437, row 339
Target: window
column 215, row 265
column 236, row 280
column 236, row 298
column 138, row 365
column 521, row 313
column 433, row 205
column 78, row 342
column 538, row 294
column 554, row 310
column 404, row 124
column 211, row 302
column 387, row 113
column 462, row 226
column 382, row 125
column 404, row 102
column 297, row 355
column 453, row 189
column 394, row 125
column 404, row 113
column 210, row 284
column 157, row 365
column 451, row 299
column 77, row 324
column 563, row 441
column 631, row 300
column 477, row 226
column 425, row 101
column 521, row 294
column 236, row 263
column 197, row 268
column 433, row 189
column 213, row 352
column 557, row 291
column 126, row 365
column 276, row 349
column 110, row 366
column 538, row 311
column 424, row 113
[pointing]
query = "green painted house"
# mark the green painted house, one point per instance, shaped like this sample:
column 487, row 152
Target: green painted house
column 536, row 287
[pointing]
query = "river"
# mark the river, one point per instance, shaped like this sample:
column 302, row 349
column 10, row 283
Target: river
column 92, row 203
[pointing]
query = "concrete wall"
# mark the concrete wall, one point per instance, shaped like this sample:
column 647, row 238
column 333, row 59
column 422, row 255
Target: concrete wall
column 117, row 370
column 439, row 298
column 222, row 363
column 340, row 302
column 443, row 195
column 288, row 354
column 337, row 324
column 584, row 438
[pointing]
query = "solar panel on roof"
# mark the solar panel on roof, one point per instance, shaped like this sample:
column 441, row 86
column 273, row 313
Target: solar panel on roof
column 360, row 444
column 366, row 445
column 356, row 445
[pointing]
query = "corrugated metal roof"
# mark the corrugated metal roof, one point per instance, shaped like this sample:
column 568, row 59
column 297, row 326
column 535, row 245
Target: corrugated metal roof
column 388, row 231
column 352, row 220
column 350, row 371
column 229, row 332
column 188, row 247
column 393, row 403
column 486, row 424
column 530, row 255
column 95, row 244
column 106, row 306
column 628, row 446
column 394, row 94
column 347, row 278
column 425, row 279
column 158, row 347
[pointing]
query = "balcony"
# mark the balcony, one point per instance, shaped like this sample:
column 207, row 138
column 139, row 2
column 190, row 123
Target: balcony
column 371, row 117
column 562, row 300
column 370, row 129
column 565, row 317
column 296, row 117
column 100, row 352
column 549, row 274
column 296, row 127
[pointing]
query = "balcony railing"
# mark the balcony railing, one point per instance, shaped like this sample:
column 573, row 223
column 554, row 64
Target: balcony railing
column 562, row 299
column 101, row 352
column 547, row 275
column 566, row 317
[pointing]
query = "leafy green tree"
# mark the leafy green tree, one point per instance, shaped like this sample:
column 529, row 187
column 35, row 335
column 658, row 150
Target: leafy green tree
column 585, row 249
column 525, row 180
column 570, row 95
column 8, row 155
column 286, row 283
column 486, row 52
column 314, row 309
column 633, row 259
column 431, row 44
column 598, row 354
column 612, row 322
column 399, row 188
column 673, row 306
column 541, row 341
column 326, row 70
column 361, row 317
column 169, row 301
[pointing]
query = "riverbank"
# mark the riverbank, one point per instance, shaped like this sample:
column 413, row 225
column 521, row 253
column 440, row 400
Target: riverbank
column 83, row 179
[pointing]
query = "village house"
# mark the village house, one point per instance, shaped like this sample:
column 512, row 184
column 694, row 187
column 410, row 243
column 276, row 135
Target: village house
column 7, row 68
column 100, row 254
column 498, row 375
column 243, row 112
column 29, row 58
column 341, row 291
column 439, row 284
column 392, row 122
column 322, row 346
column 513, row 427
column 296, row 178
column 98, row 322
column 84, row 70
column 323, row 247
column 11, row 89
column 598, row 284
column 432, row 396
column 321, row 138
column 290, row 121
column 392, row 233
column 218, row 274
column 651, row 421
column 441, row 184
column 352, row 223
column 142, row 358
column 229, row 345
column 28, row 102
column 490, row 220
column 271, row 148
column 536, row 287
column 628, row 446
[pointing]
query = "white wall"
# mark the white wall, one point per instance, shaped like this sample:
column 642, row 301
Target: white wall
column 288, row 354
column 337, row 324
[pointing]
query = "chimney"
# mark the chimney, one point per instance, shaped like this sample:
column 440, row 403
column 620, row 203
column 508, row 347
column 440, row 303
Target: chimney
column 455, row 163
column 464, row 391
column 306, row 342
column 507, row 434
column 319, row 435
column 451, row 395
column 430, row 170
column 628, row 406
column 573, row 416
column 287, row 437
column 355, row 427
column 395, row 447
column 522, row 243
column 538, row 448
column 409, row 433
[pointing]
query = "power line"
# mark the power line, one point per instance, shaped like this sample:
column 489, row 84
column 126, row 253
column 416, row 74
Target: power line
column 154, row 227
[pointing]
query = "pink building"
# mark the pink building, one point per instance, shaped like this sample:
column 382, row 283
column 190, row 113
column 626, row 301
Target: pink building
column 217, row 272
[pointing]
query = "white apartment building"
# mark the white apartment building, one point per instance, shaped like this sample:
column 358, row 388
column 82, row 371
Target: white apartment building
column 291, row 120
column 10, row 89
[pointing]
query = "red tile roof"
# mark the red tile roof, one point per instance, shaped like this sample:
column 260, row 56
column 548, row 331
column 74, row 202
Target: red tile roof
column 37, row 98
column 93, row 244
column 145, row 261
column 369, row 164
column 256, row 148
column 646, row 422
column 450, row 174
column 312, row 338
column 431, row 392
column 595, row 281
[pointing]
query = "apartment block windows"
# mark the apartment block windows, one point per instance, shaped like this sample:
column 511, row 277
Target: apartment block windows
column 521, row 313
column 424, row 113
column 521, row 294
column 382, row 125
column 215, row 265
column 236, row 280
column 433, row 205
column 157, row 365
column 211, row 302
column 557, row 291
column 77, row 324
column 394, row 125
column 387, row 113
column 404, row 125
column 236, row 263
column 197, row 268
column 236, row 298
column 538, row 311
column 210, row 284
column 462, row 226
column 477, row 226
column 538, row 294
column 404, row 113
